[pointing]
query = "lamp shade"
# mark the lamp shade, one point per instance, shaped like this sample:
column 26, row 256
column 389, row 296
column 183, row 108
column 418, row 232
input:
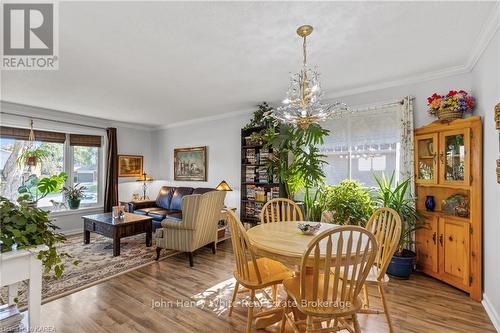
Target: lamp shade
column 144, row 178
column 223, row 186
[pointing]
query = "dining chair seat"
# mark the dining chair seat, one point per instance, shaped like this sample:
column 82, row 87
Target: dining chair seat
column 309, row 306
column 372, row 276
column 271, row 272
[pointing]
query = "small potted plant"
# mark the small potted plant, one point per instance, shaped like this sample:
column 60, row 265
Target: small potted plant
column 31, row 156
column 74, row 195
column 398, row 198
column 452, row 106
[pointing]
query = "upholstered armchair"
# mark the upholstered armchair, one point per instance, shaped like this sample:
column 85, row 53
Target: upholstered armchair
column 198, row 227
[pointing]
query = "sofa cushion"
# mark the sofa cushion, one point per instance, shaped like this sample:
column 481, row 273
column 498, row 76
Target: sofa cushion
column 179, row 193
column 174, row 215
column 164, row 198
column 159, row 214
column 146, row 211
column 202, row 190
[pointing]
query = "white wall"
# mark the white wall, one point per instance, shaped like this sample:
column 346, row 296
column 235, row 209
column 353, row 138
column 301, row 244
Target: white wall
column 222, row 138
column 132, row 139
column 486, row 88
column 420, row 91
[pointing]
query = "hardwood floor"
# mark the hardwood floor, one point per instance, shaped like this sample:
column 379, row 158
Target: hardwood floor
column 171, row 297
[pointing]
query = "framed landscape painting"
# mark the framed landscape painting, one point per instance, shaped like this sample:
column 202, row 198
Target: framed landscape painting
column 130, row 165
column 190, row 164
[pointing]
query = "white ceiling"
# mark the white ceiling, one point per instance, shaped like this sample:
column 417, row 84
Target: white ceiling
column 159, row 63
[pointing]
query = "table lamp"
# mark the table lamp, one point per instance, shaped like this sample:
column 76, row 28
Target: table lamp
column 223, row 186
column 144, row 179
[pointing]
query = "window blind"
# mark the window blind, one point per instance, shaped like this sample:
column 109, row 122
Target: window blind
column 85, row 140
column 23, row 134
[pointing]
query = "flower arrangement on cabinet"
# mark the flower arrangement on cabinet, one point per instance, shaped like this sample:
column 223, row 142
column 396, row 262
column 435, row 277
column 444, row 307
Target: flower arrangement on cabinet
column 450, row 106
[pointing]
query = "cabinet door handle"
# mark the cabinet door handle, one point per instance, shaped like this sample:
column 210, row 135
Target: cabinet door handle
column 441, row 239
column 441, row 157
column 434, row 238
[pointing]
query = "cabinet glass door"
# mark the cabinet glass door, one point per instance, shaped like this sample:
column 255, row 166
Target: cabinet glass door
column 426, row 161
column 454, row 157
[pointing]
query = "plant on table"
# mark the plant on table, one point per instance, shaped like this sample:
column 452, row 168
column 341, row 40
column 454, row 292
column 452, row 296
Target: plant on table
column 27, row 227
column 74, row 195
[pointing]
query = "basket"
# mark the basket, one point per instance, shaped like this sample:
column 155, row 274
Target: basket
column 447, row 116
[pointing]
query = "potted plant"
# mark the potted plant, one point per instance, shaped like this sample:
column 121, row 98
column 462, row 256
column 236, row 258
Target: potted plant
column 74, row 195
column 348, row 203
column 33, row 188
column 398, row 198
column 451, row 106
column 26, row 227
column 31, row 156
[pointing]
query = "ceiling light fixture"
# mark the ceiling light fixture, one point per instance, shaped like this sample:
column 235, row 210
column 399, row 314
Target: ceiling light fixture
column 302, row 105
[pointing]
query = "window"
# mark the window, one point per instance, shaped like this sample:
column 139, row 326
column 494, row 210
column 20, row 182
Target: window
column 78, row 156
column 363, row 143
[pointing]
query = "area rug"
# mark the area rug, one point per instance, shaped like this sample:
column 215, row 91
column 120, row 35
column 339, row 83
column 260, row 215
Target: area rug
column 96, row 264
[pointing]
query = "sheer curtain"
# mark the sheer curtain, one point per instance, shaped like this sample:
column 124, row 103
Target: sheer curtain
column 374, row 139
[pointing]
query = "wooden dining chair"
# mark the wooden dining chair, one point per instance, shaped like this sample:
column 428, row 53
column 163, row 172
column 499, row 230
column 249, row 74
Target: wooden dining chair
column 280, row 210
column 250, row 272
column 323, row 292
column 385, row 225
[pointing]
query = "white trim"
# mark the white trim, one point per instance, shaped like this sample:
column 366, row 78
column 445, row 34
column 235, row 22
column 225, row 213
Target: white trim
column 205, row 119
column 83, row 210
column 490, row 310
column 485, row 36
column 23, row 110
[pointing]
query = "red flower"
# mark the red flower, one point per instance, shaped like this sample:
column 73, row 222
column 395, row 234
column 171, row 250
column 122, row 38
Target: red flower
column 452, row 93
column 433, row 97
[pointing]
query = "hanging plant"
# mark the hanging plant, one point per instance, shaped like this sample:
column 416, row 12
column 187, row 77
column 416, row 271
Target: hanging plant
column 32, row 156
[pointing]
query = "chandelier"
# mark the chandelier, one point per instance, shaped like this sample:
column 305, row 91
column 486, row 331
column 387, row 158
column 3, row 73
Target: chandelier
column 302, row 105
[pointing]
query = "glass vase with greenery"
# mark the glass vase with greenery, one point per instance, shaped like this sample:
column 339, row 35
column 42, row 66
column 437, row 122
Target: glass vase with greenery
column 27, row 227
column 396, row 195
column 350, row 203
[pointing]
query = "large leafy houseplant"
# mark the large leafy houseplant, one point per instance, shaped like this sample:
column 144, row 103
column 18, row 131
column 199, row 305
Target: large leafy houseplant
column 349, row 202
column 27, row 227
column 298, row 161
column 396, row 195
column 34, row 188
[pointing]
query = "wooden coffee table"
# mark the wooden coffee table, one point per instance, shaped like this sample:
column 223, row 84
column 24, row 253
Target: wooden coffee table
column 104, row 224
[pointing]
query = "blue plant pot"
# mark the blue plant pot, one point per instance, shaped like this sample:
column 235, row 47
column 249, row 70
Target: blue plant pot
column 402, row 266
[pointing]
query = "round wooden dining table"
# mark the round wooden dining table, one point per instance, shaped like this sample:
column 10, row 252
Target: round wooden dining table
column 283, row 242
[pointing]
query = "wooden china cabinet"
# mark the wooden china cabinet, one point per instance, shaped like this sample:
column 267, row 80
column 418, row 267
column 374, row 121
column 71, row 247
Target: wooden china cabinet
column 448, row 167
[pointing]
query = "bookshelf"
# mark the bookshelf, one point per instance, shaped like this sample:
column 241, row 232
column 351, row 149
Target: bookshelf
column 257, row 184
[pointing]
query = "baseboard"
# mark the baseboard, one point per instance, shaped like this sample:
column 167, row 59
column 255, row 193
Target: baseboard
column 73, row 232
column 494, row 316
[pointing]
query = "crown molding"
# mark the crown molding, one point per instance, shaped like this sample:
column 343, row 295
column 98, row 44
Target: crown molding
column 24, row 110
column 206, row 119
column 485, row 37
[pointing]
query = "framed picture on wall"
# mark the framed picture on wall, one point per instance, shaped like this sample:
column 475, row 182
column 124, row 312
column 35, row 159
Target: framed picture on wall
column 190, row 164
column 130, row 165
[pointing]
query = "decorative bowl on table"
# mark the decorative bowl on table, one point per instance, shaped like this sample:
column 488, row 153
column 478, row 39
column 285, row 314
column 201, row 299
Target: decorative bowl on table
column 309, row 229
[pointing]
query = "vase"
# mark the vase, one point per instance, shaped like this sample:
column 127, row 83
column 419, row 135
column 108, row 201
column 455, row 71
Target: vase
column 430, row 204
column 74, row 203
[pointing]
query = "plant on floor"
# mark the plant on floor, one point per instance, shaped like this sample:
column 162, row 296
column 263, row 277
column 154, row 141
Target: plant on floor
column 27, row 227
column 349, row 202
column 297, row 160
column 397, row 196
column 74, row 195
column 34, row 188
